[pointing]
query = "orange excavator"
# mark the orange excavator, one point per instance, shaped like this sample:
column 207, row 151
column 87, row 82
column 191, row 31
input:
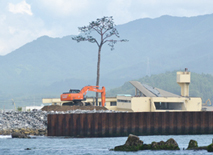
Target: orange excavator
column 75, row 96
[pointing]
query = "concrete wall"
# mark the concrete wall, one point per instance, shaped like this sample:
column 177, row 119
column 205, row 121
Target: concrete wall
column 141, row 104
column 193, row 104
column 124, row 102
column 183, row 77
column 148, row 104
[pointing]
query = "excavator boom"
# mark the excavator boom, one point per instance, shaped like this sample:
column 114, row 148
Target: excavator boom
column 80, row 96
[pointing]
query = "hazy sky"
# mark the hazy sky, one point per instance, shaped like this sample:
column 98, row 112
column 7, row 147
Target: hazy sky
column 22, row 21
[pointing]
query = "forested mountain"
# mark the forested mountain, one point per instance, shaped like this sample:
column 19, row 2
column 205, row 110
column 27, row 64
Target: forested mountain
column 47, row 66
column 201, row 85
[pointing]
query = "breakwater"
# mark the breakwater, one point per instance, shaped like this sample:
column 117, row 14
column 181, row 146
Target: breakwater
column 122, row 124
column 30, row 122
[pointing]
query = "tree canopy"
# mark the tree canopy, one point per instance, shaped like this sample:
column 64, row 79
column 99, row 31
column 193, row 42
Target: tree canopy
column 105, row 27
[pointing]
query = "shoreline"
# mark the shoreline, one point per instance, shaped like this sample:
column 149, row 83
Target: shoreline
column 35, row 122
column 25, row 131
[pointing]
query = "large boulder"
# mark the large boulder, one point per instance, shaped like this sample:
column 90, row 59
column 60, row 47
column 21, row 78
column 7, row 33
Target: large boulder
column 19, row 135
column 192, row 145
column 170, row 144
column 133, row 143
column 210, row 148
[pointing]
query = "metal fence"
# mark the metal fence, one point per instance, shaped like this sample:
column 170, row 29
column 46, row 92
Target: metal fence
column 122, row 124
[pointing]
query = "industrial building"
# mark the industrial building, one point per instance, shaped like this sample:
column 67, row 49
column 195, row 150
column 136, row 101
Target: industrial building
column 151, row 99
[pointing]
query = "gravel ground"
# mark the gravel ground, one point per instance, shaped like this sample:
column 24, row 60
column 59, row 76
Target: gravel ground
column 67, row 108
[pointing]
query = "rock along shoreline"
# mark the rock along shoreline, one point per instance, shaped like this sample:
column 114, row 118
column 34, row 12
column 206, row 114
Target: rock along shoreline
column 133, row 143
column 29, row 123
column 34, row 122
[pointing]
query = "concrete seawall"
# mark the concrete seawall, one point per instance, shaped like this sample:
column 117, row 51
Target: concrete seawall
column 122, row 124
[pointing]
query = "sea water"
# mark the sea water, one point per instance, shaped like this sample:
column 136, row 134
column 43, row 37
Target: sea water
column 42, row 145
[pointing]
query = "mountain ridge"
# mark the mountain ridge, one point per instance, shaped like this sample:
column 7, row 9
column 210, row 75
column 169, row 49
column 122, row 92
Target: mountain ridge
column 155, row 46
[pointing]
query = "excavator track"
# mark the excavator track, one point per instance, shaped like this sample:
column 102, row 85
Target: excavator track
column 79, row 103
column 72, row 103
column 68, row 104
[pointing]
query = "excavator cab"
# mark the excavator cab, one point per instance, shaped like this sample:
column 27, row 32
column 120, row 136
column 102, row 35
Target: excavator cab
column 74, row 91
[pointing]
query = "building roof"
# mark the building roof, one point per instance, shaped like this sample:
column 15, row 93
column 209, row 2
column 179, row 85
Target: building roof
column 149, row 91
column 142, row 89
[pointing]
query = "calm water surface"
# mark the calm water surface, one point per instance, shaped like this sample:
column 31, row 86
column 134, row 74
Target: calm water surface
column 93, row 146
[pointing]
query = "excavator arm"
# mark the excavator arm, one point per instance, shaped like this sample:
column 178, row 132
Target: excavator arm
column 103, row 96
column 95, row 89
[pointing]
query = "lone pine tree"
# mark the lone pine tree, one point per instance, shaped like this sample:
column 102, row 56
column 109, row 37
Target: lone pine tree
column 105, row 28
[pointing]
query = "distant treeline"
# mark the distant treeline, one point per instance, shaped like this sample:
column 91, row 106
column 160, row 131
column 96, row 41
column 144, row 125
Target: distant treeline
column 201, row 85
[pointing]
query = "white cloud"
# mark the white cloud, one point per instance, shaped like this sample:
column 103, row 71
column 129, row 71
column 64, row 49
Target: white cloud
column 65, row 7
column 18, row 29
column 21, row 7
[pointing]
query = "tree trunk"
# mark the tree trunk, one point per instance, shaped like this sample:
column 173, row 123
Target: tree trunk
column 98, row 72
